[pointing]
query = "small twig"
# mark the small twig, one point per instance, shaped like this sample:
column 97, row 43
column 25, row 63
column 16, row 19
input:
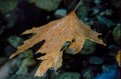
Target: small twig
column 79, row 3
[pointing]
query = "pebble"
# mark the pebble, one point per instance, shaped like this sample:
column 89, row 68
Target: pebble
column 117, row 34
column 26, row 63
column 7, row 6
column 69, row 75
column 97, row 1
column 15, row 41
column 110, row 73
column 87, row 74
column 26, row 54
column 95, row 60
column 48, row 5
column 88, row 47
column 59, row 13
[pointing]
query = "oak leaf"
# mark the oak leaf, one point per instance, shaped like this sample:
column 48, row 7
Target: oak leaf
column 55, row 34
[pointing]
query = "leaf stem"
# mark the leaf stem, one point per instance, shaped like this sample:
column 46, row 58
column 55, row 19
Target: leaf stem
column 79, row 3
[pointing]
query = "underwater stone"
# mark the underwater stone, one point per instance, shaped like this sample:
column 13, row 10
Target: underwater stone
column 24, row 77
column 59, row 13
column 97, row 1
column 8, row 5
column 88, row 48
column 117, row 34
column 8, row 68
column 82, row 11
column 95, row 11
column 110, row 73
column 26, row 63
column 28, row 76
column 105, row 21
column 48, row 5
column 87, row 73
column 15, row 41
column 26, row 54
column 95, row 60
column 69, row 75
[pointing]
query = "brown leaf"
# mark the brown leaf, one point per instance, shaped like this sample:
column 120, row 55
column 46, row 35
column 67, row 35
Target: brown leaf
column 56, row 33
column 118, row 57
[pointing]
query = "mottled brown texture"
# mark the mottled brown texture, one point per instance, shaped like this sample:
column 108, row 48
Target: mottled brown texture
column 56, row 33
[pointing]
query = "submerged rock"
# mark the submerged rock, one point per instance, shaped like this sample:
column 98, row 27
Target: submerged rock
column 15, row 41
column 22, row 67
column 48, row 5
column 26, row 54
column 26, row 63
column 9, row 68
column 8, row 5
column 59, row 13
column 29, row 76
column 95, row 60
column 88, row 48
column 107, row 22
column 69, row 75
column 117, row 34
column 111, row 72
column 87, row 74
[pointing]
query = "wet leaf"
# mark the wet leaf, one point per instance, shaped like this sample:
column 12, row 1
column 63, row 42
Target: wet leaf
column 118, row 58
column 55, row 34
